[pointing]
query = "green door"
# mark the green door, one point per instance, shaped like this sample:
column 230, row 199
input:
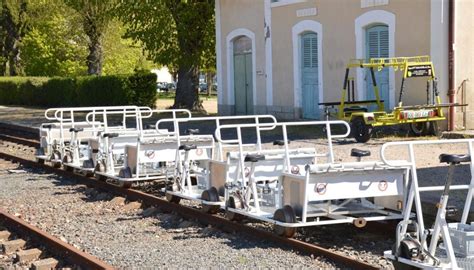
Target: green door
column 243, row 72
column 377, row 45
column 309, row 75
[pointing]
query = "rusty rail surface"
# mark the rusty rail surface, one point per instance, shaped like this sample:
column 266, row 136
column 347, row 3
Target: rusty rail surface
column 62, row 249
column 191, row 213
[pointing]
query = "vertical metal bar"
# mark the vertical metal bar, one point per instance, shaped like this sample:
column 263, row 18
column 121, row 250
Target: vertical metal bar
column 402, row 88
column 467, row 204
column 329, row 136
column 353, row 90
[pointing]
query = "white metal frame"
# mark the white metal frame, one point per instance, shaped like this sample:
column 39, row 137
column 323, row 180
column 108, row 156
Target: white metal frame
column 188, row 191
column 414, row 198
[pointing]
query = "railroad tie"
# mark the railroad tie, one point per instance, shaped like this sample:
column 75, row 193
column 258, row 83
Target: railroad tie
column 28, row 255
column 4, row 235
column 45, row 264
column 12, row 246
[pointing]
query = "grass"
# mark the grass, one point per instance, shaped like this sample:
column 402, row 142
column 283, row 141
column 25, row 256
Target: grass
column 171, row 95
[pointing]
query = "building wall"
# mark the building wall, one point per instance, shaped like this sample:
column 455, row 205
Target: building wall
column 249, row 15
column 464, row 46
column 413, row 24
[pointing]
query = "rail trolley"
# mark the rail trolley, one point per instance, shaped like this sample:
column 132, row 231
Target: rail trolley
column 191, row 164
column 65, row 138
column 291, row 187
column 444, row 245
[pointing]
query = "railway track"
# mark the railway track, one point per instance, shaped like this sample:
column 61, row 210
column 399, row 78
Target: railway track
column 39, row 242
column 187, row 212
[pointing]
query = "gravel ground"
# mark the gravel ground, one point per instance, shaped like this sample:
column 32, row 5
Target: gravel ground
column 123, row 237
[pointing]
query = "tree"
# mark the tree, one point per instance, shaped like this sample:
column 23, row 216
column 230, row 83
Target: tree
column 14, row 26
column 175, row 33
column 95, row 16
column 56, row 44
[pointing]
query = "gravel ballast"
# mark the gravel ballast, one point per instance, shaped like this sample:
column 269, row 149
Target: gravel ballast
column 125, row 238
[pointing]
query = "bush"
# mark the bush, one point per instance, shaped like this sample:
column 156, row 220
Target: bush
column 137, row 89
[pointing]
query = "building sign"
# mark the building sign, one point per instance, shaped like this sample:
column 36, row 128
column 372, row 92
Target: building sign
column 372, row 3
column 419, row 71
column 306, row 12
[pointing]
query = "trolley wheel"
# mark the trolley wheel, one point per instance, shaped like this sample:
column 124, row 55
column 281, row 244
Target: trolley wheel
column 125, row 173
column 360, row 131
column 172, row 198
column 287, row 215
column 236, row 203
column 99, row 167
column 40, row 152
column 67, row 159
column 210, row 195
column 419, row 128
column 56, row 164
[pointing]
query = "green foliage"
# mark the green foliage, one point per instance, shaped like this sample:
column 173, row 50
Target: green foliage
column 137, row 89
column 122, row 56
column 54, row 46
column 176, row 33
column 173, row 32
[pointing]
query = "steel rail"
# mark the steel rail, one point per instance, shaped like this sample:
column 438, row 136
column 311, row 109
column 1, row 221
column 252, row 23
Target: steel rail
column 19, row 140
column 191, row 213
column 64, row 250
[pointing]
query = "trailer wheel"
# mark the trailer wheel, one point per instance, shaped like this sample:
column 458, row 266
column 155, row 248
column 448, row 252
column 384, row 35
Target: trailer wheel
column 360, row 131
column 233, row 202
column 420, row 128
column 210, row 195
column 287, row 215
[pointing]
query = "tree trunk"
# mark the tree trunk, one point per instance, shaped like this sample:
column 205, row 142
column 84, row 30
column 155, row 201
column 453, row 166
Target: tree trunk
column 209, row 83
column 94, row 59
column 187, row 91
column 16, row 69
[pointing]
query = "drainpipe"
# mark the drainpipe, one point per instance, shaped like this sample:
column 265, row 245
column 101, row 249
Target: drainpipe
column 451, row 63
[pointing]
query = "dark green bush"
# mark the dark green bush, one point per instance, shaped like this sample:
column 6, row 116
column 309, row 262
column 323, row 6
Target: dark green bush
column 137, row 89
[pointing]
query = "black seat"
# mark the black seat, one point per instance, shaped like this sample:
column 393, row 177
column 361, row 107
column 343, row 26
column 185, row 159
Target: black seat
column 187, row 147
column 254, row 158
column 280, row 142
column 150, row 126
column 111, row 135
column 192, row 131
column 355, row 109
column 359, row 153
column 48, row 126
column 455, row 159
column 76, row 129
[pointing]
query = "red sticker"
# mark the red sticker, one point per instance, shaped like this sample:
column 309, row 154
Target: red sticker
column 321, row 188
column 383, row 185
column 199, row 151
column 295, row 170
column 247, row 171
column 150, row 154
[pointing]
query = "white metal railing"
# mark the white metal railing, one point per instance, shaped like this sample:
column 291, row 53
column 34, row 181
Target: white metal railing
column 218, row 123
column 415, row 189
